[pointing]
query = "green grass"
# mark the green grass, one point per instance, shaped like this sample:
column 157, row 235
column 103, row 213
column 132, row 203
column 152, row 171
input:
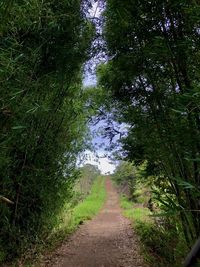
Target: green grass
column 141, row 195
column 160, row 247
column 142, row 223
column 135, row 214
column 70, row 218
column 91, row 204
column 68, row 221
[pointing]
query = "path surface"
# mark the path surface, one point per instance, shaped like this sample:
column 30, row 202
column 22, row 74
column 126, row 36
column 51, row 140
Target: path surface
column 106, row 241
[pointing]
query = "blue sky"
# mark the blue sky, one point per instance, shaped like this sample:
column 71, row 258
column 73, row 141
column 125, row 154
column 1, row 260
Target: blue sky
column 100, row 157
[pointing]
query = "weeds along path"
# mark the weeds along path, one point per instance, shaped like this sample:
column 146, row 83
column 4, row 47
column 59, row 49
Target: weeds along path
column 108, row 240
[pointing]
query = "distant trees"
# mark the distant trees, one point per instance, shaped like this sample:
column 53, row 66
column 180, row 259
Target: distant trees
column 43, row 45
column 125, row 177
column 153, row 76
column 88, row 173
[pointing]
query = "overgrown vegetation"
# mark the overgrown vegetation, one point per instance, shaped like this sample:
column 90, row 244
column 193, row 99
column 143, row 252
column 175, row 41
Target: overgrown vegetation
column 162, row 243
column 92, row 204
column 138, row 214
column 152, row 76
column 124, row 177
column 89, row 173
column 74, row 213
column 43, row 115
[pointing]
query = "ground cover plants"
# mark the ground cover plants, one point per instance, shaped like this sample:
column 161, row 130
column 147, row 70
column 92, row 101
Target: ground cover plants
column 75, row 212
column 161, row 238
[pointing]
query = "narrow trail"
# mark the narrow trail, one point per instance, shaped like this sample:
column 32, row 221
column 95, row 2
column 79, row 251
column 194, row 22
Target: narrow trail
column 106, row 241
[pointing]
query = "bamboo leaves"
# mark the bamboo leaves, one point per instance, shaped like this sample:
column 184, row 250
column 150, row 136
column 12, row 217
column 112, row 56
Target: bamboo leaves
column 42, row 117
column 152, row 73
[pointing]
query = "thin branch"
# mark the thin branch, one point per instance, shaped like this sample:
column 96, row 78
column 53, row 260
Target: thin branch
column 6, row 200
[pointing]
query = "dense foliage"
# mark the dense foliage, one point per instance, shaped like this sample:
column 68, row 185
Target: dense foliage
column 153, row 76
column 163, row 245
column 89, row 173
column 125, row 177
column 43, row 45
column 92, row 203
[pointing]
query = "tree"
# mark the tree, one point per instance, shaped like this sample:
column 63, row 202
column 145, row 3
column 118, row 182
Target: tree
column 152, row 74
column 43, row 114
column 125, row 177
column 89, row 173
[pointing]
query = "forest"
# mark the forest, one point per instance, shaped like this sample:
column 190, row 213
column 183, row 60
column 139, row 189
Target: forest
column 147, row 78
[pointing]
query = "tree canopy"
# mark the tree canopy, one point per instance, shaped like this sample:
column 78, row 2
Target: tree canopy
column 152, row 74
column 43, row 114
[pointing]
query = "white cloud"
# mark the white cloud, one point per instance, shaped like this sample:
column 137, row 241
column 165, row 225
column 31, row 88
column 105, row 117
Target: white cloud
column 103, row 163
column 105, row 166
column 95, row 11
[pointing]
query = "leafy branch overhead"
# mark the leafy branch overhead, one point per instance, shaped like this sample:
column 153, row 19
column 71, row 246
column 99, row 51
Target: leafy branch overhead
column 43, row 114
column 152, row 75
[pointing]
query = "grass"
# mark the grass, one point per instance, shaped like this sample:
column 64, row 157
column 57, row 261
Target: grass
column 140, row 217
column 135, row 214
column 84, row 210
column 69, row 220
column 91, row 205
column 160, row 247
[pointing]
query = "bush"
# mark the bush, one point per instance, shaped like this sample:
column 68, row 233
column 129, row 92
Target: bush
column 163, row 243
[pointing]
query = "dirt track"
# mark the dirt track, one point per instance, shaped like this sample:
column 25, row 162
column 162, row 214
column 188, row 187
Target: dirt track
column 105, row 241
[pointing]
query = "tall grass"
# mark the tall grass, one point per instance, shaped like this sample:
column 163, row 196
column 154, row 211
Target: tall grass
column 136, row 214
column 162, row 245
column 68, row 221
column 71, row 218
column 91, row 205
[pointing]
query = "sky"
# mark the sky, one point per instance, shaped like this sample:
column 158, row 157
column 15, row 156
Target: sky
column 101, row 156
column 103, row 163
column 98, row 158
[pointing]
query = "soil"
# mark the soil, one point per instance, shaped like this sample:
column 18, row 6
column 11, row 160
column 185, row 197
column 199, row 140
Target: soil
column 106, row 241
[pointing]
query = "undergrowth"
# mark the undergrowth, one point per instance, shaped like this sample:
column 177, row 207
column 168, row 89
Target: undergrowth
column 162, row 245
column 69, row 220
column 91, row 205
column 134, row 213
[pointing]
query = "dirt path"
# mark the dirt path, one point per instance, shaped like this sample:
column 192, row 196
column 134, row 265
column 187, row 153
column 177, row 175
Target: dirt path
column 105, row 241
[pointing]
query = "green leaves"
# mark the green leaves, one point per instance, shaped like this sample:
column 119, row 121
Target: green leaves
column 19, row 127
column 152, row 75
column 43, row 120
